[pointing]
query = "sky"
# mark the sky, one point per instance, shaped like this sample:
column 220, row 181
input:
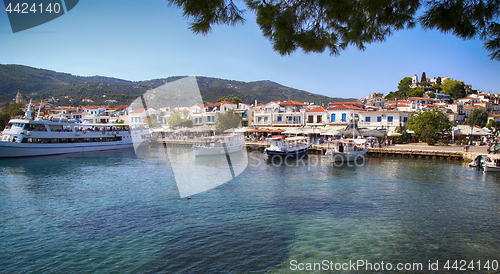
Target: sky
column 148, row 39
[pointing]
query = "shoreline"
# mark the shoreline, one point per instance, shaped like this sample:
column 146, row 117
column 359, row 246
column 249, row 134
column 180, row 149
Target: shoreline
column 397, row 150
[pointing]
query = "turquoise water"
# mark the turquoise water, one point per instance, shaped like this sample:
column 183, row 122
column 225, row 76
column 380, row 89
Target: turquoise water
column 112, row 212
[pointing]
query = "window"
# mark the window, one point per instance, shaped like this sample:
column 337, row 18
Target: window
column 259, row 119
column 333, row 117
column 319, row 119
column 279, row 118
column 368, row 119
column 405, row 119
column 390, row 119
column 310, row 119
column 344, row 117
column 265, row 119
column 379, row 119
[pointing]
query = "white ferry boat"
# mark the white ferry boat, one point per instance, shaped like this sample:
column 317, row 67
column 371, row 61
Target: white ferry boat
column 29, row 136
column 287, row 147
column 347, row 150
column 219, row 144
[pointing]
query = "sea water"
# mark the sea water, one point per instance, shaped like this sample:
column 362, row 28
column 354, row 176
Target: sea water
column 114, row 212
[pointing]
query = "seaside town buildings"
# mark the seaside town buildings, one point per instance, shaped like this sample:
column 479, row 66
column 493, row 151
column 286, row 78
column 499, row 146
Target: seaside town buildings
column 371, row 112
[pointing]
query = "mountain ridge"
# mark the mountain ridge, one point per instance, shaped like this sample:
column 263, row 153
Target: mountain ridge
column 38, row 83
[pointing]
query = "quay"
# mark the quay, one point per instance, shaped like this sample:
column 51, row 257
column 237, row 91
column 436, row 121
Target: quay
column 399, row 150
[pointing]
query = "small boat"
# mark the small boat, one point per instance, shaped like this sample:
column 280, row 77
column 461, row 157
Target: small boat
column 493, row 166
column 480, row 161
column 347, row 150
column 219, row 144
column 280, row 146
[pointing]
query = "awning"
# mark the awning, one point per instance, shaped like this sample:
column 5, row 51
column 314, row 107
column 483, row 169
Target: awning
column 374, row 132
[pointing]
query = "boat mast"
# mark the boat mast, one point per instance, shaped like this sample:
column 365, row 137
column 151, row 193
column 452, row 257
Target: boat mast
column 353, row 132
column 39, row 108
column 27, row 113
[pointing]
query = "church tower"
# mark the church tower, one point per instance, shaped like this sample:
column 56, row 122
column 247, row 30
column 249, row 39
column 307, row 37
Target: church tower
column 19, row 98
column 414, row 81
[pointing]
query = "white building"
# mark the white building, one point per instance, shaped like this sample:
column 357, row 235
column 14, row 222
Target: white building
column 383, row 119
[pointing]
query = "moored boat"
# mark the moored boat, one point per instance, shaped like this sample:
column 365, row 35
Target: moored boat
column 480, row 161
column 287, row 147
column 493, row 166
column 218, row 144
column 347, row 150
column 29, row 136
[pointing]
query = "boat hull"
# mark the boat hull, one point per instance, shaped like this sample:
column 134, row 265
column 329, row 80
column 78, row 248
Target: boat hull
column 286, row 154
column 207, row 151
column 347, row 157
column 14, row 150
column 490, row 168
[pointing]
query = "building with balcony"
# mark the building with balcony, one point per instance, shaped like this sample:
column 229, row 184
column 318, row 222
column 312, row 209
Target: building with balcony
column 383, row 119
column 290, row 113
column 317, row 116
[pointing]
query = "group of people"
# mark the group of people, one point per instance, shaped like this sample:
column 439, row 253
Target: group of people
column 493, row 144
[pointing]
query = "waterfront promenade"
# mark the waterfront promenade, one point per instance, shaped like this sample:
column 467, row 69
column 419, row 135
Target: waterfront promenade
column 401, row 150
column 471, row 154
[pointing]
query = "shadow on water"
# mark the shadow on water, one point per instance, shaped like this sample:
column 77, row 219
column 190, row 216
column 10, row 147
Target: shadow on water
column 224, row 248
column 66, row 163
column 339, row 209
column 118, row 220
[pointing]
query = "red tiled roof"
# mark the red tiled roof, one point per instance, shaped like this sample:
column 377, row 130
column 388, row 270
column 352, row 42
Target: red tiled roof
column 318, row 109
column 345, row 107
column 417, row 98
column 292, row 103
column 121, row 107
column 344, row 103
column 140, row 110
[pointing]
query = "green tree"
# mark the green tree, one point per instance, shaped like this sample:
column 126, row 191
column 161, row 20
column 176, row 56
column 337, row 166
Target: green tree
column 236, row 101
column 404, row 84
column 224, row 98
column 493, row 125
column 478, row 117
column 429, row 124
column 403, row 90
column 403, row 138
column 179, row 119
column 454, row 88
column 423, row 79
column 317, row 26
column 436, row 87
column 8, row 111
column 416, row 92
column 227, row 121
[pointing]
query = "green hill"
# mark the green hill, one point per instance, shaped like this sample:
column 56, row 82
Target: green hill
column 68, row 89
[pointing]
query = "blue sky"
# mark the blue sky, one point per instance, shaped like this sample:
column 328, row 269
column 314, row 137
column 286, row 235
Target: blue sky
column 142, row 40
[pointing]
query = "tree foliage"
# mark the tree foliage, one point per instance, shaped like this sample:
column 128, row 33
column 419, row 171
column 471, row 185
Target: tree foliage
column 236, row 101
column 404, row 90
column 493, row 125
column 9, row 111
column 429, row 124
column 227, row 120
column 318, row 26
column 423, row 79
column 454, row 88
column 179, row 119
column 478, row 117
